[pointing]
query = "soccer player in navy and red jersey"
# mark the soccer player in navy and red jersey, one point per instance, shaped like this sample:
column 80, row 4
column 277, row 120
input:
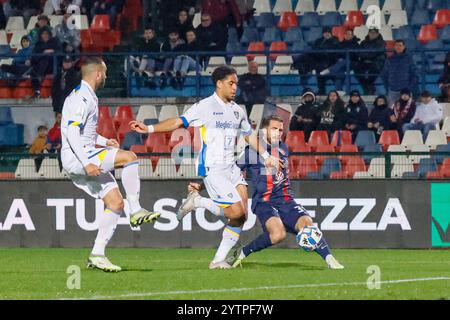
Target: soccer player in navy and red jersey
column 272, row 200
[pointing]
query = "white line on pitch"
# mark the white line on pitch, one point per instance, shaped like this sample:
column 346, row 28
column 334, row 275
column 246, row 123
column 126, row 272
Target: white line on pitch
column 295, row 286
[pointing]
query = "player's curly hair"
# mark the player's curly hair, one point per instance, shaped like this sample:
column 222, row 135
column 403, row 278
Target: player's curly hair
column 220, row 73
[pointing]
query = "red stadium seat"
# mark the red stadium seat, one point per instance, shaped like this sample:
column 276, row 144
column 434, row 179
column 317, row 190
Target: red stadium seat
column 341, row 138
column 123, row 113
column 445, row 168
column 257, row 46
column 107, row 129
column 287, row 20
column 123, row 129
column 442, row 18
column 7, row 176
column 389, row 137
column 293, row 168
column 181, row 137
column 339, row 32
column 434, row 175
column 306, row 164
column 277, row 46
column 301, row 148
column 138, row 148
column 347, row 148
column 104, row 40
column 46, row 87
column 324, row 148
column 339, row 175
column 23, row 90
column 354, row 19
column 104, row 112
column 6, row 92
column 133, row 8
column 155, row 139
column 318, row 138
column 353, row 165
column 100, row 22
column 295, row 138
column 159, row 149
column 427, row 33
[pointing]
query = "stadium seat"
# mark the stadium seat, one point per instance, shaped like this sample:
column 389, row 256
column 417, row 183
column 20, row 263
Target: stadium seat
column 187, row 169
column 306, row 165
column 365, row 138
column 330, row 19
column 373, row 148
column 420, row 18
column 435, row 138
column 412, row 137
column 277, row 46
column 104, row 113
column 377, row 168
column 325, row 6
column 339, row 175
column 338, row 32
column 129, row 139
column 330, row 165
column 386, row 32
column 294, row 138
column 439, row 158
column 398, row 18
column 15, row 23
column 55, row 20
column 100, row 23
column 15, row 42
column 347, row 148
column 146, row 112
column 167, row 112
column 362, row 175
column 425, row 166
column 123, row 113
column 107, row 129
column 262, row 6
column 165, row 169
column 23, row 90
column 445, row 169
column 434, row 175
column 145, row 169
column 347, row 6
column 361, row 31
column 50, row 169
column 415, row 159
column 256, row 114
column 324, row 149
column 32, row 23
column 180, row 137
column 287, row 20
column 3, row 38
column 354, row 164
column 271, row 35
column 398, row 159
column 318, row 138
column 446, row 126
column 155, row 139
column 434, row 5
column 256, row 47
column 304, row 6
column 354, row 19
column 5, row 116
column 442, row 18
column 427, row 33
column 392, row 5
column 404, row 32
column 163, row 152
column 26, row 169
column 311, row 36
column 265, row 20
column 389, row 137
column 398, row 170
column 138, row 148
column 367, row 3
column 309, row 20
column 236, row 61
column 341, row 138
column 293, row 35
column 282, row 6
column 216, row 61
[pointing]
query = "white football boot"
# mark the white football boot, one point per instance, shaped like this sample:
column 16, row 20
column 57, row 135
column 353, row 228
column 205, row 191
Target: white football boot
column 219, row 265
column 333, row 263
column 188, row 205
column 102, row 263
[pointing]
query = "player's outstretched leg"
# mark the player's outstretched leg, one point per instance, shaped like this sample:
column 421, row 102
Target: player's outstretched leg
column 132, row 185
column 322, row 248
column 194, row 200
column 106, row 226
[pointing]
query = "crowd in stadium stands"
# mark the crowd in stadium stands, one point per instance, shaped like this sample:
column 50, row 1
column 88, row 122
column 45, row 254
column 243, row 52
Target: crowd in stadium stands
column 252, row 86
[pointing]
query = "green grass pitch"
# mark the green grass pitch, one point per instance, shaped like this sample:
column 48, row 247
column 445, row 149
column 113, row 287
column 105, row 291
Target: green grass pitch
column 183, row 274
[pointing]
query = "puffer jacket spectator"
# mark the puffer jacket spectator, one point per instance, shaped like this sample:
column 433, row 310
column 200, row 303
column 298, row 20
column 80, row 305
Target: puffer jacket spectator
column 379, row 117
column 444, row 80
column 332, row 113
column 305, row 117
column 356, row 114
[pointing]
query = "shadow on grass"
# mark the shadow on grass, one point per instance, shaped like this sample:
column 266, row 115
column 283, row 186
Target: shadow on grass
column 282, row 265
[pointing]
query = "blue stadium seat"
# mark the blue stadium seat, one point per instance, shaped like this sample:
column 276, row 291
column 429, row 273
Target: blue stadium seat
column 312, row 34
column 445, row 34
column 293, row 35
column 439, row 158
column 404, row 32
column 265, row 20
column 232, row 35
column 11, row 134
column 410, row 175
column 418, row 4
column 130, row 139
column 271, row 35
column 309, row 20
column 420, row 18
column 330, row 165
column 249, row 35
column 434, row 5
column 5, row 116
column 365, row 138
column 5, row 49
column 331, row 19
column 371, row 148
column 412, row 43
column 426, row 165
column 233, row 47
column 314, row 175
column 149, row 122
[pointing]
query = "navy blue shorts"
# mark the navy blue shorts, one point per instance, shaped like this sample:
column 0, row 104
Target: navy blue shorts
column 288, row 212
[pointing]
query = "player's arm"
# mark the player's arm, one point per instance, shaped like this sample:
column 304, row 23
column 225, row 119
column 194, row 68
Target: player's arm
column 74, row 139
column 165, row 126
column 105, row 142
column 269, row 160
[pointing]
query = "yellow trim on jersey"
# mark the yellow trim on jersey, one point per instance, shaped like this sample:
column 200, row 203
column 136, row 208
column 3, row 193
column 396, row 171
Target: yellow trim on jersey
column 102, row 155
column 203, row 133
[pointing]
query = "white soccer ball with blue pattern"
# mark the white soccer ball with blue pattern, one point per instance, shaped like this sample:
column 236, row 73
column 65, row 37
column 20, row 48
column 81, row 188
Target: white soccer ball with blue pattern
column 308, row 238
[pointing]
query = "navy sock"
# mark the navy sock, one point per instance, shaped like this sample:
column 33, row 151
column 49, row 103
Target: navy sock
column 260, row 243
column 322, row 248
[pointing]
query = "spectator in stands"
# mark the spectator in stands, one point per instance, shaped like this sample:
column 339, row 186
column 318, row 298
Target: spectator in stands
column 64, row 82
column 399, row 72
column 379, row 118
column 2, row 18
column 224, row 12
column 170, row 45
column 444, row 80
column 305, row 117
column 54, row 136
column 369, row 65
column 211, row 36
column 428, row 114
column 332, row 113
column 24, row 8
column 42, row 23
column 402, row 111
column 69, row 37
column 109, row 7
column 40, row 144
column 184, row 24
column 60, row 6
column 185, row 63
column 337, row 70
column 21, row 64
column 253, row 87
column 356, row 114
column 246, row 10
column 164, row 13
column 324, row 60
column 145, row 67
column 43, row 65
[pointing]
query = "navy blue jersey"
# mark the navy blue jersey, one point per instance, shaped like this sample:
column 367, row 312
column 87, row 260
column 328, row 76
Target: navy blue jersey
column 269, row 185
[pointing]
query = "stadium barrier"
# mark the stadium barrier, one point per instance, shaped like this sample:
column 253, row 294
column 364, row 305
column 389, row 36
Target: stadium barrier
column 352, row 214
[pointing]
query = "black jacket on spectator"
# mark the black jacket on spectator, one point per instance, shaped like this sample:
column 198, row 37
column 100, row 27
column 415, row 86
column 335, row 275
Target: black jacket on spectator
column 331, row 116
column 376, row 58
column 356, row 113
column 41, row 46
column 189, row 47
column 212, row 38
column 183, row 28
column 403, row 111
column 381, row 114
column 445, row 76
column 253, row 90
column 324, row 60
column 352, row 44
column 306, row 110
column 143, row 45
column 63, row 84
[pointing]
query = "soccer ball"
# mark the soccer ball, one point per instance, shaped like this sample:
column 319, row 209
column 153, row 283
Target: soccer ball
column 308, row 238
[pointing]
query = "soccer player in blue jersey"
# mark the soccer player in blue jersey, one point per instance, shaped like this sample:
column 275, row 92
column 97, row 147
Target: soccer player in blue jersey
column 272, row 201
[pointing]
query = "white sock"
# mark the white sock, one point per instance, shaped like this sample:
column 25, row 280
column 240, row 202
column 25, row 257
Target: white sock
column 106, row 226
column 132, row 185
column 210, row 205
column 230, row 236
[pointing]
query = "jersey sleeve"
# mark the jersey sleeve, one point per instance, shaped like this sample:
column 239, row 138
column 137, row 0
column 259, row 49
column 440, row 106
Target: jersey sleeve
column 78, row 113
column 246, row 128
column 194, row 116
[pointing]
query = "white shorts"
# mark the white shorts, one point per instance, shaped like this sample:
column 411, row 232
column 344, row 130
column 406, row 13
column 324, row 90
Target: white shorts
column 221, row 185
column 96, row 187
